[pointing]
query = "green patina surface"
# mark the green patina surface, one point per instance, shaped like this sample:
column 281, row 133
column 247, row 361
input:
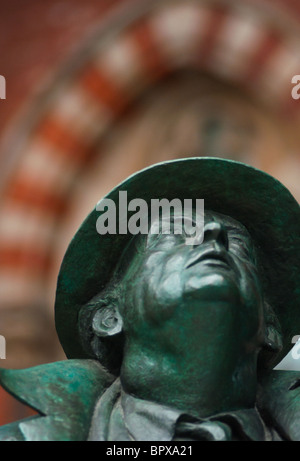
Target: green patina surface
column 193, row 329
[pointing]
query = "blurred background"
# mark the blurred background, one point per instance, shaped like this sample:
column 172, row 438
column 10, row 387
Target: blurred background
column 99, row 89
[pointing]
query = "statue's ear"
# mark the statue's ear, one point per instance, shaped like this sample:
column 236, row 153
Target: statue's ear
column 107, row 321
column 101, row 331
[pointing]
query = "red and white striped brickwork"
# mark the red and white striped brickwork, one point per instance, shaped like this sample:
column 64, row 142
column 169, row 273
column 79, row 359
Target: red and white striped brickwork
column 229, row 42
column 151, row 41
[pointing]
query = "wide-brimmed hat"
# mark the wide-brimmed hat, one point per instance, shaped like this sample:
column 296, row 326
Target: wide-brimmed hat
column 260, row 202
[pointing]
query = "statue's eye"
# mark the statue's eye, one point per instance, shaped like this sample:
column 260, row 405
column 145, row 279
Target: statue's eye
column 167, row 233
column 164, row 241
column 240, row 246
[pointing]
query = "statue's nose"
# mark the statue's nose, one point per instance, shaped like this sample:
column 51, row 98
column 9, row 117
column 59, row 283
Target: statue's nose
column 215, row 232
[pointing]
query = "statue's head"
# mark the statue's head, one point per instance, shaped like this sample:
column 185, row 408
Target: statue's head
column 228, row 300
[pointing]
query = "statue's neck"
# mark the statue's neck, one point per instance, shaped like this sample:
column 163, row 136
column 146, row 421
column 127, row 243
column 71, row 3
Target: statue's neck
column 201, row 386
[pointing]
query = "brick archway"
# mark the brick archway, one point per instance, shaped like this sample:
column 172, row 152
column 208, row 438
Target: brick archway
column 101, row 83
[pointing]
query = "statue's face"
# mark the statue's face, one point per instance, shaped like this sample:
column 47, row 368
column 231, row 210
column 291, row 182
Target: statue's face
column 190, row 297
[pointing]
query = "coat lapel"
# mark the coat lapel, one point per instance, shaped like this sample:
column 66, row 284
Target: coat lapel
column 63, row 393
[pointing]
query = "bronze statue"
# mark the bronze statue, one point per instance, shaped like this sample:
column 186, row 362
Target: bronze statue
column 169, row 341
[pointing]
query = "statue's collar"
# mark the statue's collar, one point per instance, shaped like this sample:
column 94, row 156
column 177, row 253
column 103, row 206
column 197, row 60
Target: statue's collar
column 119, row 416
column 159, row 423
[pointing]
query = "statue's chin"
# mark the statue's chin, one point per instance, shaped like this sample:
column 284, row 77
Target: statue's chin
column 216, row 285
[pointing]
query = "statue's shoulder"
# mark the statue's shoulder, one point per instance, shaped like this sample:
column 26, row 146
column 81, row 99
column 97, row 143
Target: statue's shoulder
column 279, row 402
column 63, row 393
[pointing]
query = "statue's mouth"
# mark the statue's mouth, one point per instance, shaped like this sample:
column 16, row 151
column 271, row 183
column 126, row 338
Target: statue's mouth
column 214, row 257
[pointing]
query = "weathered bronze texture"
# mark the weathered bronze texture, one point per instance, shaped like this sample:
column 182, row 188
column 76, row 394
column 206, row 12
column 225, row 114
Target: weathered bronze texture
column 169, row 341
